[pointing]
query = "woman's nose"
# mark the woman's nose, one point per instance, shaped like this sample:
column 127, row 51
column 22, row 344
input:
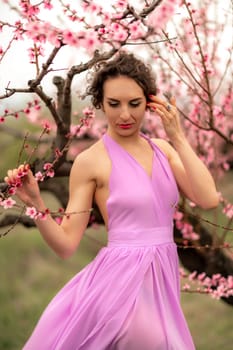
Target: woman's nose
column 125, row 114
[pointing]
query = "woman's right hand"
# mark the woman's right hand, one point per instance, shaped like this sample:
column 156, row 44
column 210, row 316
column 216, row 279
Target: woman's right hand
column 27, row 189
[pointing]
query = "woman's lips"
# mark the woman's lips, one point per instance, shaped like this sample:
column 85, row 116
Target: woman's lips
column 125, row 126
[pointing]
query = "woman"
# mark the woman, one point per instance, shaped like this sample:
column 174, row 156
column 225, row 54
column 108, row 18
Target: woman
column 128, row 296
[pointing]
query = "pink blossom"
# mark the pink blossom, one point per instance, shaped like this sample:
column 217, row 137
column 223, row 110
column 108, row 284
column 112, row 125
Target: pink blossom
column 35, row 51
column 192, row 275
column 94, row 7
column 12, row 190
column 58, row 220
column 50, row 173
column 186, row 286
column 28, row 9
column 49, row 169
column 88, row 112
column 8, row 203
column 91, row 6
column 119, row 33
column 27, row 110
column 70, row 38
column 160, row 16
column 201, row 276
column 39, row 176
column 74, row 129
column 178, row 215
column 226, row 166
column 106, row 20
column 185, row 227
column 47, row 4
column 135, row 30
column 121, row 4
column 228, row 210
column 46, row 125
column 41, row 216
column 182, row 272
column 47, row 166
column 58, row 153
column 31, row 212
column 90, row 41
column 230, row 282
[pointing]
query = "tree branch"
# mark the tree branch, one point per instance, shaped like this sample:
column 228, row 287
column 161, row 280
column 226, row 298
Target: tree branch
column 34, row 83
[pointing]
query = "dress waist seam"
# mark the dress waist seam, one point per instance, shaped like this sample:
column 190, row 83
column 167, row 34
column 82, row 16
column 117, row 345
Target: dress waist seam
column 141, row 238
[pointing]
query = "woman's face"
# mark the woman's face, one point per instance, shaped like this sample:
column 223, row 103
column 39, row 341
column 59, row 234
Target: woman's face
column 124, row 105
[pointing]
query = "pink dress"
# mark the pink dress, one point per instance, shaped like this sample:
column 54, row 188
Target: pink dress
column 128, row 297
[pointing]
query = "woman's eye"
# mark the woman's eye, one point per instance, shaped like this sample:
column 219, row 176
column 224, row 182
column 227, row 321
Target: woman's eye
column 113, row 104
column 116, row 104
column 134, row 104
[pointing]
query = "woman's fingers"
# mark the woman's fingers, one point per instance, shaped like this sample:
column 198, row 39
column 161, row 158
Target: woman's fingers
column 158, row 100
column 158, row 103
column 10, row 177
column 14, row 175
column 173, row 101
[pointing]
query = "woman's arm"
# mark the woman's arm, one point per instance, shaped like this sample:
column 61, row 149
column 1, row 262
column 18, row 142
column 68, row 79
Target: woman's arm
column 65, row 238
column 192, row 176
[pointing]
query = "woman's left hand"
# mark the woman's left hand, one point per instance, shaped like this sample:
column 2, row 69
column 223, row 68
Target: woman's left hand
column 169, row 115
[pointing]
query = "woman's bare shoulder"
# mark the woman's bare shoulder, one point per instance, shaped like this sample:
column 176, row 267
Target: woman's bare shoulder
column 88, row 159
column 163, row 145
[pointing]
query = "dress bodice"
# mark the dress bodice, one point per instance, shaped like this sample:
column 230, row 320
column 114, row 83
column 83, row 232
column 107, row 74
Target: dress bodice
column 136, row 200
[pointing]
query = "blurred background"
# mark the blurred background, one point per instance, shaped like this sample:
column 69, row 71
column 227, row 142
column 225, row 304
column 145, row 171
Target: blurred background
column 193, row 60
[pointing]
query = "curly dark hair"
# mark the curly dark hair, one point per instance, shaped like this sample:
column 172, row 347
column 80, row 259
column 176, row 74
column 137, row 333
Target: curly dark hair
column 125, row 64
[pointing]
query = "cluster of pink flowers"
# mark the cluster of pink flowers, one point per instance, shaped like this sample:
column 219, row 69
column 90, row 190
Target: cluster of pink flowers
column 114, row 27
column 35, row 214
column 46, row 126
column 216, row 285
column 94, row 25
column 227, row 101
column 228, row 210
column 31, row 108
column 162, row 14
column 7, row 203
column 88, row 113
column 34, row 52
column 85, row 123
column 49, row 171
column 203, row 138
column 185, row 227
column 40, row 32
column 28, row 9
column 91, row 6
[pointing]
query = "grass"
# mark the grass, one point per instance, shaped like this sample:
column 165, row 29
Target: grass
column 210, row 321
column 31, row 275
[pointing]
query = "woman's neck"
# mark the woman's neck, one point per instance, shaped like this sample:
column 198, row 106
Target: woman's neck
column 125, row 139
